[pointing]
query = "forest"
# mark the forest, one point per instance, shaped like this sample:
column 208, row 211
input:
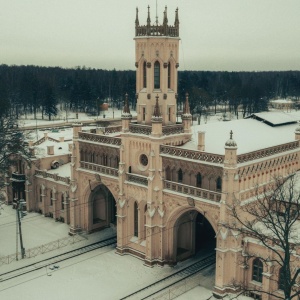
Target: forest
column 32, row 89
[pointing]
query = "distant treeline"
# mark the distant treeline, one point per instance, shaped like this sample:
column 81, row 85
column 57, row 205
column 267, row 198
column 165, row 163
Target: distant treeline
column 32, row 89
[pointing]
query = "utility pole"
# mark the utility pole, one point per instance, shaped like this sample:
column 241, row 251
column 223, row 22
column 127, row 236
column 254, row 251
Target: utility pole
column 19, row 211
column 17, row 232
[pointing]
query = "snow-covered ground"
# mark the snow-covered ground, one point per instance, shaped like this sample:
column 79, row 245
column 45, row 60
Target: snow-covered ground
column 36, row 230
column 100, row 274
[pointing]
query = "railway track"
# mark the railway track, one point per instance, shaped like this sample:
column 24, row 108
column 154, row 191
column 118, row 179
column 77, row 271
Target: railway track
column 172, row 279
column 56, row 259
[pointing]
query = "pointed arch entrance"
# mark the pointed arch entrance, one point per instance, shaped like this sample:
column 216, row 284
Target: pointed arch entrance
column 102, row 208
column 192, row 234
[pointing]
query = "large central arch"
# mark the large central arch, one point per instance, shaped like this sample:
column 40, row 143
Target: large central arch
column 101, row 208
column 190, row 233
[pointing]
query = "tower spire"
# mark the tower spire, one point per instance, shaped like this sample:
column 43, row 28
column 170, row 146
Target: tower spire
column 186, row 110
column 126, row 109
column 166, row 16
column 156, row 108
column 137, row 23
column 176, row 17
column 156, row 15
column 148, row 18
column 156, row 117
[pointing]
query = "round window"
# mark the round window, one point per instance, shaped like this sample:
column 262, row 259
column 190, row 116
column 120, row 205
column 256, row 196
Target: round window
column 144, row 160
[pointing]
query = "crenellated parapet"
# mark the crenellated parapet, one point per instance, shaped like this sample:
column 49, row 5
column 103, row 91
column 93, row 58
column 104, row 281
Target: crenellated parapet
column 157, row 29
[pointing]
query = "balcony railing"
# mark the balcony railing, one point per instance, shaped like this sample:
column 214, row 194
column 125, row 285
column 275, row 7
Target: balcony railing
column 147, row 129
column 135, row 178
column 192, row 191
column 190, row 154
column 99, row 138
column 267, row 152
column 98, row 168
column 55, row 177
column 18, row 177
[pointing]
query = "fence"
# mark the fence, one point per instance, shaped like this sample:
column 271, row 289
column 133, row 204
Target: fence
column 4, row 260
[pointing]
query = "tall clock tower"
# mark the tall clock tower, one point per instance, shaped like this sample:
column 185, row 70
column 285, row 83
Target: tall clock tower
column 156, row 60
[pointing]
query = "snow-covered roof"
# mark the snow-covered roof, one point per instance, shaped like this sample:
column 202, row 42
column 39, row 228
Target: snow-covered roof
column 59, row 148
column 276, row 118
column 249, row 134
column 62, row 170
column 282, row 101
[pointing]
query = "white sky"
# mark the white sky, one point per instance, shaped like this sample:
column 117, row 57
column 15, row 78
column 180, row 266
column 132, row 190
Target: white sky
column 216, row 34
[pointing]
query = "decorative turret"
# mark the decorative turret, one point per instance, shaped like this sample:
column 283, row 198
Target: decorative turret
column 126, row 116
column 186, row 116
column 156, row 120
column 231, row 142
column 230, row 152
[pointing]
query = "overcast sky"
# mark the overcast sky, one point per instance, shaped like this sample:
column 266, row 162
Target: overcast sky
column 232, row 35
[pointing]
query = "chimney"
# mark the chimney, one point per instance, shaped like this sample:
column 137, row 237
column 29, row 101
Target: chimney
column 30, row 143
column 201, row 140
column 46, row 135
column 70, row 147
column 50, row 150
column 61, row 139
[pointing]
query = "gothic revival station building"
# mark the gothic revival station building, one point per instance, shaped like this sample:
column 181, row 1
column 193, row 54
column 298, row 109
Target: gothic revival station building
column 165, row 186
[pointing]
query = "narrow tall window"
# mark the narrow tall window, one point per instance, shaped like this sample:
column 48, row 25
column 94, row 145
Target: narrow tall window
column 136, row 220
column 169, row 113
column 144, row 113
column 257, row 270
column 144, row 75
column 62, row 201
column 281, row 280
column 51, row 198
column 157, row 75
column 169, row 75
column 41, row 194
column 219, row 184
column 199, row 180
column 180, row 175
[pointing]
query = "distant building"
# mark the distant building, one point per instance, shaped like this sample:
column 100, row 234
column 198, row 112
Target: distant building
column 165, row 186
column 282, row 104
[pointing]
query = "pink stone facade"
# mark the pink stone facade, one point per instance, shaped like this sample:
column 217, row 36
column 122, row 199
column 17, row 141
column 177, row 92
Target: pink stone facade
column 143, row 182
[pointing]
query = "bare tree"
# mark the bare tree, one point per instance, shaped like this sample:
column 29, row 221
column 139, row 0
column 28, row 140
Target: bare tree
column 271, row 220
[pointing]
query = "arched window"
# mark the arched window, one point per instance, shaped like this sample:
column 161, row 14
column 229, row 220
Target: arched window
column 157, row 75
column 257, row 270
column 51, row 198
column 144, row 74
column 136, row 220
column 180, row 175
column 219, row 184
column 281, row 280
column 198, row 180
column 129, row 169
column 169, row 75
column 168, row 173
column 62, row 201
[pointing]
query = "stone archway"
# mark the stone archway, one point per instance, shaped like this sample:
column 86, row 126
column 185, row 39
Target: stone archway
column 192, row 234
column 102, row 208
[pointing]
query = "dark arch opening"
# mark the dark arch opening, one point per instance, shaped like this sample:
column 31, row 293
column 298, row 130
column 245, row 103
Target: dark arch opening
column 194, row 235
column 103, row 208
